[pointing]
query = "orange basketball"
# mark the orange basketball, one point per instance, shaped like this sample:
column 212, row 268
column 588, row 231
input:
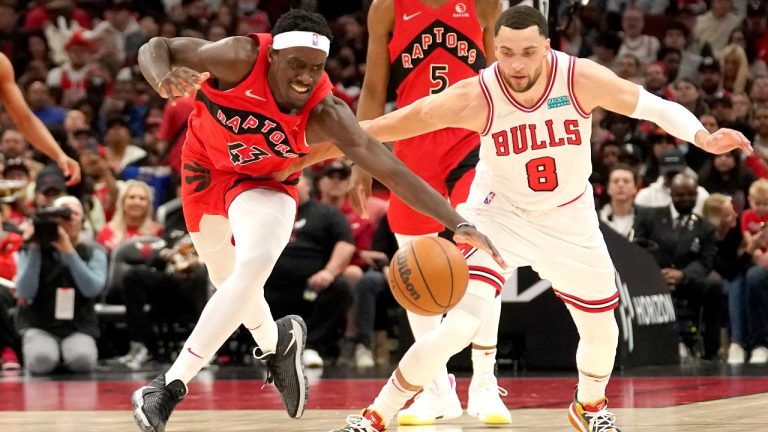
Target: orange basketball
column 428, row 276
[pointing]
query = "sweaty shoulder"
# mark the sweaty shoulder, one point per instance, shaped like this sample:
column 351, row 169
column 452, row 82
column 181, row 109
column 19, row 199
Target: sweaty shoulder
column 587, row 77
column 231, row 59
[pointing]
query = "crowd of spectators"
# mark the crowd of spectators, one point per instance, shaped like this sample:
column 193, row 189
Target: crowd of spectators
column 75, row 61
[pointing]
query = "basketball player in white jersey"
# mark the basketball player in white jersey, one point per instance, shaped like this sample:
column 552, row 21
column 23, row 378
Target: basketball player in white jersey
column 531, row 195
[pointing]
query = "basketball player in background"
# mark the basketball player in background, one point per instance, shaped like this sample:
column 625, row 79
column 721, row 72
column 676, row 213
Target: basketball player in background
column 30, row 126
column 420, row 48
column 266, row 102
column 532, row 195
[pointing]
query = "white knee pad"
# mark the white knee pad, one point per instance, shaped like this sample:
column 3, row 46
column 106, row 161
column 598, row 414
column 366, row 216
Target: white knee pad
column 599, row 337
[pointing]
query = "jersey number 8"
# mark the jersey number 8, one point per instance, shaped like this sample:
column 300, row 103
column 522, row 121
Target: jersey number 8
column 542, row 174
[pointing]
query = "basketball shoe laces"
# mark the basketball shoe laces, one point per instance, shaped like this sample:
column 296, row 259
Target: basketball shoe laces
column 601, row 421
column 358, row 423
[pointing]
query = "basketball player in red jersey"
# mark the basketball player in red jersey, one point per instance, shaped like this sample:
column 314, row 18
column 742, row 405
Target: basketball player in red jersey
column 263, row 100
column 531, row 193
column 30, row 126
column 420, row 48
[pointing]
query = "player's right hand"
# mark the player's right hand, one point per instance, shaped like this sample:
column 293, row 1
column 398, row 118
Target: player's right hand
column 360, row 189
column 180, row 81
column 471, row 236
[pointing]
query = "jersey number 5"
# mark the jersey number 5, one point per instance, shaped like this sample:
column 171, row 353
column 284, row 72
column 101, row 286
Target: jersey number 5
column 439, row 80
column 542, row 174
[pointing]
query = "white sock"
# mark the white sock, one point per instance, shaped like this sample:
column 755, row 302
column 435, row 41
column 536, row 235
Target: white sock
column 391, row 399
column 483, row 362
column 591, row 389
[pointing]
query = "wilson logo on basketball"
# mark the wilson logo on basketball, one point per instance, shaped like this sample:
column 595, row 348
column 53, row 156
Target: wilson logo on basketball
column 405, row 276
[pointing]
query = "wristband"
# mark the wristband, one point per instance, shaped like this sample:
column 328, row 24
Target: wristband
column 464, row 224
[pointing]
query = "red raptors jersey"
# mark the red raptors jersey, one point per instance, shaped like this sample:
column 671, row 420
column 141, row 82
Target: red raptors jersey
column 432, row 49
column 243, row 130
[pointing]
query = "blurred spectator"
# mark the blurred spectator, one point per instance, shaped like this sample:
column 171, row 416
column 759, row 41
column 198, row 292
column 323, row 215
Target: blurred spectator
column 676, row 37
column 605, row 49
column 119, row 35
column 730, row 264
column 120, row 151
column 629, row 68
column 753, row 226
column 132, row 218
column 49, row 185
column 194, row 16
column 306, row 278
column 684, row 247
column 716, row 24
column 10, row 243
column 71, row 78
column 251, row 19
column 689, row 95
column 709, row 122
column 661, row 144
column 177, row 285
column 670, row 58
column 726, row 174
column 225, row 16
column 619, row 212
column 634, row 41
column 659, row 193
column 124, row 104
column 758, row 93
column 656, row 81
column 173, row 130
column 105, row 186
column 735, row 66
column 756, row 65
column 9, row 337
column 757, row 28
column 57, row 283
column 11, row 39
column 61, row 23
column 45, row 10
column 742, row 108
column 760, row 141
column 13, row 145
column 711, row 79
column 41, row 103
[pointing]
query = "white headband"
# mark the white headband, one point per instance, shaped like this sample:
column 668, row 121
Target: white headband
column 301, row 39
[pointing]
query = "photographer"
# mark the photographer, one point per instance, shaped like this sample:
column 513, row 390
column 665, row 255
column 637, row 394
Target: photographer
column 57, row 281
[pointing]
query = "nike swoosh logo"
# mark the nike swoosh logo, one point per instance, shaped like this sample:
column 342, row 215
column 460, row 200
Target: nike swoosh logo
column 406, row 17
column 251, row 95
column 194, row 353
column 293, row 342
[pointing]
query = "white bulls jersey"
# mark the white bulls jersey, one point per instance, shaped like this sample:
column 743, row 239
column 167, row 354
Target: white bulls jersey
column 537, row 157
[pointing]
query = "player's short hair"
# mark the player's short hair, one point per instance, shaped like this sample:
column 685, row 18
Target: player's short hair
column 302, row 20
column 759, row 188
column 521, row 17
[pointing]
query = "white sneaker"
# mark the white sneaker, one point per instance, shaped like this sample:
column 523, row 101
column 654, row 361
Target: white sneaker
column 364, row 356
column 759, row 356
column 684, row 351
column 140, row 357
column 438, row 400
column 312, row 359
column 485, row 401
column 736, row 354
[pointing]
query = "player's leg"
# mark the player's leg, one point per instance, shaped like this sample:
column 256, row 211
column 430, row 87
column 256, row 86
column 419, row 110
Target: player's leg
column 238, row 298
column 439, row 399
column 583, row 277
column 428, row 354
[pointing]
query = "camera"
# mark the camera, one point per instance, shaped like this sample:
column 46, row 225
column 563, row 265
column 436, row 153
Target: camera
column 46, row 222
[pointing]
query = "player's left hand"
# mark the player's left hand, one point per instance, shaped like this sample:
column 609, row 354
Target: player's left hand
column 471, row 236
column 70, row 168
column 724, row 140
column 673, row 277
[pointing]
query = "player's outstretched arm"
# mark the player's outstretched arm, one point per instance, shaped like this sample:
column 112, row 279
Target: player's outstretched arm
column 30, row 126
column 176, row 66
column 460, row 106
column 332, row 120
column 373, row 96
column 596, row 85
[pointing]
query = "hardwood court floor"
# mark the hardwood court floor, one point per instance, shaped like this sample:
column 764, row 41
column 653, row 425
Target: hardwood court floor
column 740, row 414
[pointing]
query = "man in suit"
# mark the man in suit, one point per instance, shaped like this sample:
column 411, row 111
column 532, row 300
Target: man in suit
column 684, row 245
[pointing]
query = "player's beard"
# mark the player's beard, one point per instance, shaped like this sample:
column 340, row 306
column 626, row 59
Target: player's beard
column 532, row 80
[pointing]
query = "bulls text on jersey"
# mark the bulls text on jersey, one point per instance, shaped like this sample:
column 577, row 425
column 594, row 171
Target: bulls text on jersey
column 526, row 137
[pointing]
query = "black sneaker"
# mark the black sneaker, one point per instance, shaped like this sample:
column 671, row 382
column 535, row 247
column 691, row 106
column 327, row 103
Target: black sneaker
column 284, row 367
column 154, row 403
